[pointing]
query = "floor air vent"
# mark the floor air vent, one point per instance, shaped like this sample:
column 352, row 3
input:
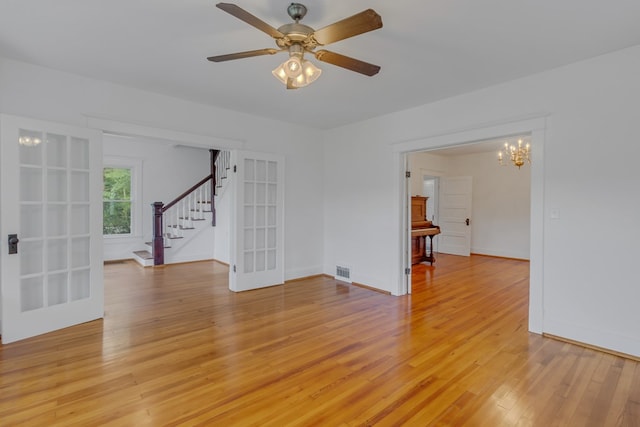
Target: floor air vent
column 343, row 273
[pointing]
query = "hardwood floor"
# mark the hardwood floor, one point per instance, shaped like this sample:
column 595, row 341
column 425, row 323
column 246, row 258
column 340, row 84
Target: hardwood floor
column 176, row 347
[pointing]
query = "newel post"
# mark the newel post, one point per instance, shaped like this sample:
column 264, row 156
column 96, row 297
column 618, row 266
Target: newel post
column 213, row 154
column 158, row 241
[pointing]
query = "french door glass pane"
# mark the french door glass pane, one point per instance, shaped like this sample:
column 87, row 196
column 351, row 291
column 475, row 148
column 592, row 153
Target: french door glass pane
column 57, row 220
column 56, row 185
column 79, row 153
column 31, row 221
column 56, row 150
column 57, row 288
column 30, row 154
column 30, row 184
column 80, row 285
column 80, row 252
column 53, row 173
column 79, row 186
column 31, row 293
column 79, row 219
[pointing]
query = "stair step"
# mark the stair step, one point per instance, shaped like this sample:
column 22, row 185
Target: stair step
column 151, row 244
column 144, row 258
column 144, row 254
column 174, row 237
column 192, row 219
column 180, row 227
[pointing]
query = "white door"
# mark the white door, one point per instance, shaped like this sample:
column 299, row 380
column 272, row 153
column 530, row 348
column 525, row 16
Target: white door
column 257, row 245
column 51, row 182
column 454, row 197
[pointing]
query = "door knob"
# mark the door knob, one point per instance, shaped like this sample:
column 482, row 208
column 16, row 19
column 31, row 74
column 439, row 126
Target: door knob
column 13, row 244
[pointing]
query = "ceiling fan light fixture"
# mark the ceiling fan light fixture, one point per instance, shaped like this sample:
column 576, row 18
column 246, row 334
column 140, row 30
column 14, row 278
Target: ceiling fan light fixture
column 307, row 74
column 292, row 67
column 296, row 71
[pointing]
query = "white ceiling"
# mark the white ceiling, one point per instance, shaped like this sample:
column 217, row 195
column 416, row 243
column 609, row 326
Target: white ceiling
column 428, row 50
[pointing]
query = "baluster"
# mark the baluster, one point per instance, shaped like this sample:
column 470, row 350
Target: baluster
column 200, row 206
column 191, row 198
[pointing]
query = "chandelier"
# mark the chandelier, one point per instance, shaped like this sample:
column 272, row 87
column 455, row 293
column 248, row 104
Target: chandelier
column 516, row 154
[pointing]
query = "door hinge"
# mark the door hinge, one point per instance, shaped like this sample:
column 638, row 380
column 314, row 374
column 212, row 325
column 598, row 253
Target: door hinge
column 235, row 168
column 407, row 270
column 407, row 174
column 234, row 268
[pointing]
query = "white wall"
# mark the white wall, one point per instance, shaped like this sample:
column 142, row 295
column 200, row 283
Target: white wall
column 590, row 285
column 421, row 164
column 500, row 205
column 38, row 92
column 167, row 171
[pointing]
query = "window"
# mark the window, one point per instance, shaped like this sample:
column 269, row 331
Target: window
column 117, row 201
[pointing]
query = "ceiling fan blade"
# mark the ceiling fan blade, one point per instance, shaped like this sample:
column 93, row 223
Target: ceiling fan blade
column 245, row 16
column 347, row 62
column 240, row 55
column 359, row 23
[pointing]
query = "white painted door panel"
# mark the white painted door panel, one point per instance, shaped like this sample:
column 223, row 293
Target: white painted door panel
column 52, row 199
column 258, row 222
column 455, row 215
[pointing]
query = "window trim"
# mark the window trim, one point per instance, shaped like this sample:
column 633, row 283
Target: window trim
column 135, row 165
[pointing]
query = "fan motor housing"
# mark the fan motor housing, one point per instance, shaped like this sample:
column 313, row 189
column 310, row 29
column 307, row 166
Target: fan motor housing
column 296, row 33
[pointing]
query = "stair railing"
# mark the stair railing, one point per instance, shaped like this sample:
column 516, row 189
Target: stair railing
column 171, row 220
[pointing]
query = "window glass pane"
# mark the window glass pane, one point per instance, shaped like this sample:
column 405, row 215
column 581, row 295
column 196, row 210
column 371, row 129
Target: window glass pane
column 117, row 201
column 116, row 218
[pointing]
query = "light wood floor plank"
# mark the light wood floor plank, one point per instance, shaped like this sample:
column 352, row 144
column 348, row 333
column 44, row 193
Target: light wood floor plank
column 176, row 347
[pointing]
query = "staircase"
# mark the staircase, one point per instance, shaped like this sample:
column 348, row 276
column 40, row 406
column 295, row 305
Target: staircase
column 187, row 221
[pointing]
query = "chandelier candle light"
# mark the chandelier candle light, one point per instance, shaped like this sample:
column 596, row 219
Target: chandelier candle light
column 518, row 155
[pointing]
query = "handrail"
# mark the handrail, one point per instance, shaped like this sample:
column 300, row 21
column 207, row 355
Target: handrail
column 186, row 193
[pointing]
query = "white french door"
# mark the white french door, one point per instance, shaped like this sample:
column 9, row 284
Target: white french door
column 257, row 244
column 51, row 203
column 455, row 215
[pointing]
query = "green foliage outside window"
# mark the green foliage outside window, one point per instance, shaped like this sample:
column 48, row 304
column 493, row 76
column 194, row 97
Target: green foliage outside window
column 116, row 201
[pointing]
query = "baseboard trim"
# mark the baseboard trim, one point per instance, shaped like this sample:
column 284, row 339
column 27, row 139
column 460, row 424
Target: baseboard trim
column 500, row 257
column 371, row 288
column 116, row 261
column 360, row 285
column 299, row 279
column 592, row 347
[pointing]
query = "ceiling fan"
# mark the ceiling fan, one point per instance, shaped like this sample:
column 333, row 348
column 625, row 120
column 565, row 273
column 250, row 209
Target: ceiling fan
column 298, row 39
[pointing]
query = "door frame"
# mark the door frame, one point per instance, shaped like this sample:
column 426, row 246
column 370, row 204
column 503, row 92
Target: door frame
column 537, row 128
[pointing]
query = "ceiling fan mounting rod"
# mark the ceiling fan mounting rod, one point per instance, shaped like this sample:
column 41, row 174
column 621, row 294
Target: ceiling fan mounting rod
column 296, row 11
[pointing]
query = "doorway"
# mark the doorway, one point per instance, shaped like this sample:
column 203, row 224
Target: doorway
column 496, row 202
column 534, row 127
